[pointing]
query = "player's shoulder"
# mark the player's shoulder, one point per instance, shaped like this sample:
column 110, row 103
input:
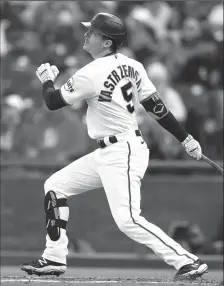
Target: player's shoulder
column 131, row 61
column 94, row 67
column 84, row 72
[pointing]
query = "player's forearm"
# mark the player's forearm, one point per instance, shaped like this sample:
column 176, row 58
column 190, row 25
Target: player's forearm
column 170, row 123
column 52, row 96
column 158, row 110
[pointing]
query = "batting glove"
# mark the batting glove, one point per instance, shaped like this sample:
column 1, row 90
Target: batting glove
column 46, row 72
column 192, row 147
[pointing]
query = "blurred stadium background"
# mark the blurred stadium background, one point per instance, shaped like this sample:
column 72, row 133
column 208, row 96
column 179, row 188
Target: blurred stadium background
column 180, row 43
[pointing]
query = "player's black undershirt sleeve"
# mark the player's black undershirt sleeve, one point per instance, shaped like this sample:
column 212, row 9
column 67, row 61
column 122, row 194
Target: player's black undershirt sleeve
column 52, row 96
column 170, row 123
column 155, row 106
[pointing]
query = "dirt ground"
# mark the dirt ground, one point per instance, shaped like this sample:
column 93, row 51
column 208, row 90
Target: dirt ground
column 106, row 277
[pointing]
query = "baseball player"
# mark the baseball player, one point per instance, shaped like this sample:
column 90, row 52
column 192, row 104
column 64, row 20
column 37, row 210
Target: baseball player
column 112, row 85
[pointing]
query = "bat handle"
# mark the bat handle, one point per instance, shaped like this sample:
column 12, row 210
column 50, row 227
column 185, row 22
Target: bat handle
column 212, row 163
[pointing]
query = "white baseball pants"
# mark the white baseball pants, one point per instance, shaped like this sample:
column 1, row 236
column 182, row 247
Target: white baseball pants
column 119, row 169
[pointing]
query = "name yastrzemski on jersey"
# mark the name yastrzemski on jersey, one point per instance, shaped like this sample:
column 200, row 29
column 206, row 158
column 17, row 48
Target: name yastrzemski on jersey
column 115, row 76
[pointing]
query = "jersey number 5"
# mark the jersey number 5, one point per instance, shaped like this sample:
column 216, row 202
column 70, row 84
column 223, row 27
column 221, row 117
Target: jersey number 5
column 127, row 94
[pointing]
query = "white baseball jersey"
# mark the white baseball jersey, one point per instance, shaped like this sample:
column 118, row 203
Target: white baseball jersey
column 112, row 86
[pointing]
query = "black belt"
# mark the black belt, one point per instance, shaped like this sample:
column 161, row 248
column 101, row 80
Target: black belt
column 113, row 139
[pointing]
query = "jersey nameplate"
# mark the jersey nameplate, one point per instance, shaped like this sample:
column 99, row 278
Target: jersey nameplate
column 115, row 76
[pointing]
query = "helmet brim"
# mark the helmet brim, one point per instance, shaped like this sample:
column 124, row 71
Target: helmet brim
column 88, row 25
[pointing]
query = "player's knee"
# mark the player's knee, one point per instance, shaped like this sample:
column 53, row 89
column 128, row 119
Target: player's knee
column 50, row 185
column 47, row 185
column 123, row 220
column 124, row 225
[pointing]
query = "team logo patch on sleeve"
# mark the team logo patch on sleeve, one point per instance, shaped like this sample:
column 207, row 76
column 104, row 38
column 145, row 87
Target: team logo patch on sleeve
column 70, row 85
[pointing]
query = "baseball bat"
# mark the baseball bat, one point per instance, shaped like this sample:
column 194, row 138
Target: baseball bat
column 212, row 163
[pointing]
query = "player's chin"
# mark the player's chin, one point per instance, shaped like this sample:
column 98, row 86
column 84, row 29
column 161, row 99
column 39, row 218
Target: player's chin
column 85, row 47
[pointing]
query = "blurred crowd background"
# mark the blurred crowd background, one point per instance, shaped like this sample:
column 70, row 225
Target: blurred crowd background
column 179, row 43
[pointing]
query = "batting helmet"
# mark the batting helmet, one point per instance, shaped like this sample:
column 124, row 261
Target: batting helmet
column 107, row 25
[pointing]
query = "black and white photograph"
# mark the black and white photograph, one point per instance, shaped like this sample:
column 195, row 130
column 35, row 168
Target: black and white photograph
column 111, row 142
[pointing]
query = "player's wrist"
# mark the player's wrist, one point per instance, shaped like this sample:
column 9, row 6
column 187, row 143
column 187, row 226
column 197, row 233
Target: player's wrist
column 187, row 139
column 48, row 83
